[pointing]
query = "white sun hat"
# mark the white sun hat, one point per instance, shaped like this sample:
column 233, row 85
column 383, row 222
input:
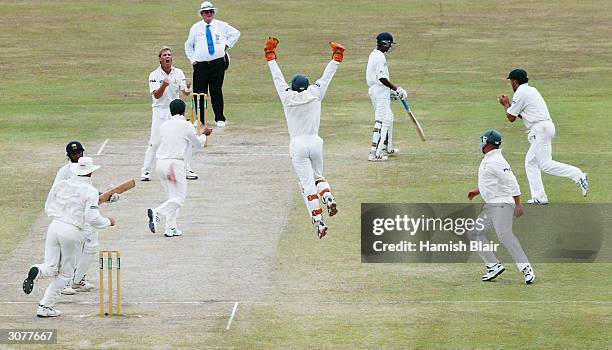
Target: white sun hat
column 207, row 5
column 84, row 166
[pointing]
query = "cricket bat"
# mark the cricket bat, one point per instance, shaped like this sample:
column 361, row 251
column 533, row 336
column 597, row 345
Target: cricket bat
column 414, row 120
column 104, row 197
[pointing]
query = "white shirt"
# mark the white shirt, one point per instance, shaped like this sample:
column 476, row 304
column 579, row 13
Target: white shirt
column 528, row 102
column 377, row 68
column 302, row 109
column 175, row 135
column 196, row 46
column 496, row 182
column 75, row 202
column 63, row 174
column 176, row 83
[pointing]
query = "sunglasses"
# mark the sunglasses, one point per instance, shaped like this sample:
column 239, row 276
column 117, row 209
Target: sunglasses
column 208, row 11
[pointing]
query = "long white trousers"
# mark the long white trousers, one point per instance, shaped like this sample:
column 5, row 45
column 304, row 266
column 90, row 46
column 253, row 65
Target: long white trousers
column 383, row 119
column 171, row 173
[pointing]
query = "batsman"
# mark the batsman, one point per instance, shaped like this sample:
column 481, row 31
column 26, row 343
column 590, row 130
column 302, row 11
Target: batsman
column 302, row 105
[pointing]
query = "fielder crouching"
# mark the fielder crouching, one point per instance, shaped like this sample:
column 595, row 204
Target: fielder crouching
column 72, row 204
column 499, row 189
column 302, row 106
column 176, row 136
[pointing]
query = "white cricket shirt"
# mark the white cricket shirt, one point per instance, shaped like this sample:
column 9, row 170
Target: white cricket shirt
column 196, row 46
column 75, row 202
column 176, row 80
column 63, row 174
column 377, row 68
column 528, row 102
column 176, row 134
column 496, row 182
column 302, row 109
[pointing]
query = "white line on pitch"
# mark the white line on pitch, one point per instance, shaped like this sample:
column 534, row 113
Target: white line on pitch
column 229, row 322
column 102, row 147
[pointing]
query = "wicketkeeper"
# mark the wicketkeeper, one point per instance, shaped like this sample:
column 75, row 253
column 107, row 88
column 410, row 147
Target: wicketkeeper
column 302, row 105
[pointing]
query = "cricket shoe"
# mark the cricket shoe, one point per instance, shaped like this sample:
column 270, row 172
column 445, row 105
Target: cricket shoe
column 393, row 152
column 536, row 201
column 493, row 271
column 47, row 311
column 332, row 208
column 529, row 275
column 28, row 283
column 220, row 124
column 173, row 232
column 83, row 286
column 191, row 175
column 583, row 184
column 375, row 158
column 145, row 176
column 320, row 228
column 154, row 219
column 68, row 290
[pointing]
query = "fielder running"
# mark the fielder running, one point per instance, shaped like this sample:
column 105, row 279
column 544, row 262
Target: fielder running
column 499, row 189
column 177, row 135
column 529, row 105
column 72, row 204
column 164, row 85
column 302, row 106
column 380, row 90
column 74, row 151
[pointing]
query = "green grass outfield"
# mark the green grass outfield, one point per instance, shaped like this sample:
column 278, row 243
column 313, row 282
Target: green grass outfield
column 79, row 70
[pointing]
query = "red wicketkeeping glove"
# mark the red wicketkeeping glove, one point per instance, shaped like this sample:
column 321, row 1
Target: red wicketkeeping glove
column 270, row 48
column 337, row 51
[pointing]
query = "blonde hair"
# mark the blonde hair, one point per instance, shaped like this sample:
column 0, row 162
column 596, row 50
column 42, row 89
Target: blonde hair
column 165, row 48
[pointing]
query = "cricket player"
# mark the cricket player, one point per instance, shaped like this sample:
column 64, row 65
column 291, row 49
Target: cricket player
column 177, row 134
column 164, row 85
column 499, row 189
column 72, row 204
column 529, row 105
column 380, row 90
column 302, row 106
column 74, row 151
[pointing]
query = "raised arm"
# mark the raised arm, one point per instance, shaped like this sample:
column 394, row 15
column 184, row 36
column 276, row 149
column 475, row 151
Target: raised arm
column 277, row 76
column 337, row 56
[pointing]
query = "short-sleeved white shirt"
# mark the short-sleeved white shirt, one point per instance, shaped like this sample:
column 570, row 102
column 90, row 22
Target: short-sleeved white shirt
column 496, row 182
column 528, row 102
column 176, row 83
column 377, row 68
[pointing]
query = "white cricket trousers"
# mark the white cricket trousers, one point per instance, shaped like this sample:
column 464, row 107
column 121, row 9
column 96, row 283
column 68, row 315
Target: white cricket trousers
column 383, row 119
column 539, row 158
column 159, row 115
column 89, row 249
column 499, row 216
column 307, row 157
column 62, row 248
column 171, row 173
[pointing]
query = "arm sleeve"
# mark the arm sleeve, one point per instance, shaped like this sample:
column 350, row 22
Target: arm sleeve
column 153, row 84
column 380, row 70
column 232, row 35
column 192, row 137
column 278, row 78
column 322, row 84
column 92, row 214
column 517, row 105
column 190, row 45
column 506, row 178
column 183, row 84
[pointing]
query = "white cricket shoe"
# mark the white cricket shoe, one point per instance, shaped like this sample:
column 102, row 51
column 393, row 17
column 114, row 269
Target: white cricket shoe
column 220, row 124
column 493, row 271
column 330, row 202
column 583, row 184
column 154, row 219
column 529, row 275
column 173, row 232
column 320, row 228
column 28, row 283
column 536, row 201
column 47, row 311
column 83, row 286
column 375, row 158
column 393, row 152
column 68, row 290
column 145, row 176
column 191, row 175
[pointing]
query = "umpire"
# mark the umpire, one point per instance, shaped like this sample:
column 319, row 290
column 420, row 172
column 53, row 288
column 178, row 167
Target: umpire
column 206, row 48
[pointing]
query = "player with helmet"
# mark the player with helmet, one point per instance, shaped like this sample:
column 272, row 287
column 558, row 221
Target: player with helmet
column 302, row 106
column 499, row 189
column 380, row 90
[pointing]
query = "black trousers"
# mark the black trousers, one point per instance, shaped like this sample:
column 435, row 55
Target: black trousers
column 208, row 78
